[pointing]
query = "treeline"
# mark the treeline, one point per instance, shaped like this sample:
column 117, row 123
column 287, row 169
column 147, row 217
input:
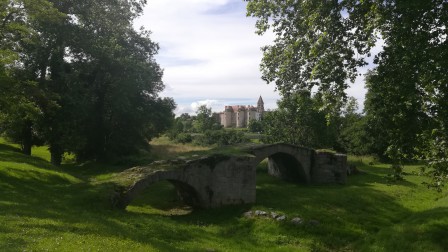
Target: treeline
column 203, row 129
column 300, row 120
column 77, row 76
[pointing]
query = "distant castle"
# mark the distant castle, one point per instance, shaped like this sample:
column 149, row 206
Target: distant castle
column 239, row 116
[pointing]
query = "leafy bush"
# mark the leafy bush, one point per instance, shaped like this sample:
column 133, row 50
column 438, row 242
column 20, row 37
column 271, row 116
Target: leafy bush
column 221, row 137
column 255, row 126
column 183, row 138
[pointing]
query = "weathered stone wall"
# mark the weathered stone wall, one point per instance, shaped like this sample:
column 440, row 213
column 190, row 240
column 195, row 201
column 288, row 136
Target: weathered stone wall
column 232, row 182
column 209, row 182
column 329, row 168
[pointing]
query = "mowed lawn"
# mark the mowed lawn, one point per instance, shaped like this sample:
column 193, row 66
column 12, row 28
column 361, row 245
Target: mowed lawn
column 47, row 208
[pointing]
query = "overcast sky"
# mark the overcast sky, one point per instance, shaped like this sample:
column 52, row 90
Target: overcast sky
column 210, row 54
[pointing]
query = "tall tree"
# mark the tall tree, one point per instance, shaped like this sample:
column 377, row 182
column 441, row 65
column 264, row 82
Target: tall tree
column 97, row 78
column 115, row 73
column 353, row 137
column 20, row 95
column 407, row 92
column 298, row 120
column 204, row 119
column 317, row 43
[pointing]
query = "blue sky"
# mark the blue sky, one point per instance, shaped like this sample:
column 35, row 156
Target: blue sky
column 210, row 54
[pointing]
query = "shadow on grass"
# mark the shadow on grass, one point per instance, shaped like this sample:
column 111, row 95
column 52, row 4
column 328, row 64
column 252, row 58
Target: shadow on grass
column 421, row 231
column 51, row 209
column 369, row 174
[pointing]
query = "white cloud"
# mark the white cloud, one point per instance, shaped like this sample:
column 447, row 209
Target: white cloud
column 209, row 51
column 207, row 103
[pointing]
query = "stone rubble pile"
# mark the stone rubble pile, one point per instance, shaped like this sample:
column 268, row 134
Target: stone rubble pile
column 279, row 217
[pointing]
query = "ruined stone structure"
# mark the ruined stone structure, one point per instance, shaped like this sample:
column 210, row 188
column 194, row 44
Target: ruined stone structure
column 239, row 116
column 220, row 180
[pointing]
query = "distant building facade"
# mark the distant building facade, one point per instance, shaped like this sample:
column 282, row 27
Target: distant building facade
column 239, row 116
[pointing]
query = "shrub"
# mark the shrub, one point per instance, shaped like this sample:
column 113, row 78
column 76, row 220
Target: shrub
column 221, row 137
column 183, row 138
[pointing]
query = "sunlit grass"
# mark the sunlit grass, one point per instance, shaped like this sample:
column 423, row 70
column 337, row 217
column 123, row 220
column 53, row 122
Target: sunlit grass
column 163, row 148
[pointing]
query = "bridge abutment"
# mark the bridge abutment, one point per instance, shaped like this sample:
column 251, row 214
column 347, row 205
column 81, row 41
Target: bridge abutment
column 329, row 168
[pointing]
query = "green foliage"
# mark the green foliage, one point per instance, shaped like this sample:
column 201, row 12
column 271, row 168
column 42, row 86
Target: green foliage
column 16, row 27
column 353, row 137
column 204, row 125
column 310, row 50
column 322, row 43
column 221, row 138
column 18, row 112
column 404, row 101
column 20, row 97
column 183, row 138
column 299, row 121
column 95, row 79
column 205, row 120
column 436, row 154
column 255, row 126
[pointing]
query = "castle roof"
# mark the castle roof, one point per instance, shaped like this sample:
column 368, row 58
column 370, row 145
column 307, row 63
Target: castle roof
column 236, row 108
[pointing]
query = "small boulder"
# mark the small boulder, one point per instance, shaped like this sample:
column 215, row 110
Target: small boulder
column 274, row 215
column 297, row 221
column 281, row 218
column 248, row 214
column 260, row 213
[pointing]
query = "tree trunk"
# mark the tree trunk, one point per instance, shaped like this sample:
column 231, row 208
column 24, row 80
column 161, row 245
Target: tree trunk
column 56, row 153
column 27, row 138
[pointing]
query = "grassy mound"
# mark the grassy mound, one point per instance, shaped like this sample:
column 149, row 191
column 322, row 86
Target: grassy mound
column 43, row 207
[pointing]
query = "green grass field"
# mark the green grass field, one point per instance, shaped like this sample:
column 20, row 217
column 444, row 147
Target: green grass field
column 47, row 208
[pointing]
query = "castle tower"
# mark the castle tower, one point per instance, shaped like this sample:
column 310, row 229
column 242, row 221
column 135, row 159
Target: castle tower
column 260, row 105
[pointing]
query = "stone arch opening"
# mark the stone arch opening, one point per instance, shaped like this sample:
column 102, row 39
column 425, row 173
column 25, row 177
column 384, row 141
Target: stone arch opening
column 163, row 194
column 186, row 193
column 287, row 162
column 286, row 167
column 273, row 171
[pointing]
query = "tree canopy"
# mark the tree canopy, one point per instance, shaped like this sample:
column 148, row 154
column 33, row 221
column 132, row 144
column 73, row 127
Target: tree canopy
column 317, row 43
column 320, row 45
column 88, row 81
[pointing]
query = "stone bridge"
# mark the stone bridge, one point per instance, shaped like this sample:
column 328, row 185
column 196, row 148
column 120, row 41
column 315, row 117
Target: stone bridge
column 219, row 180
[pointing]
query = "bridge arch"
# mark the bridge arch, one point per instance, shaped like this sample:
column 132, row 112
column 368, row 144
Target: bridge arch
column 286, row 167
column 288, row 162
column 186, row 192
column 217, row 180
